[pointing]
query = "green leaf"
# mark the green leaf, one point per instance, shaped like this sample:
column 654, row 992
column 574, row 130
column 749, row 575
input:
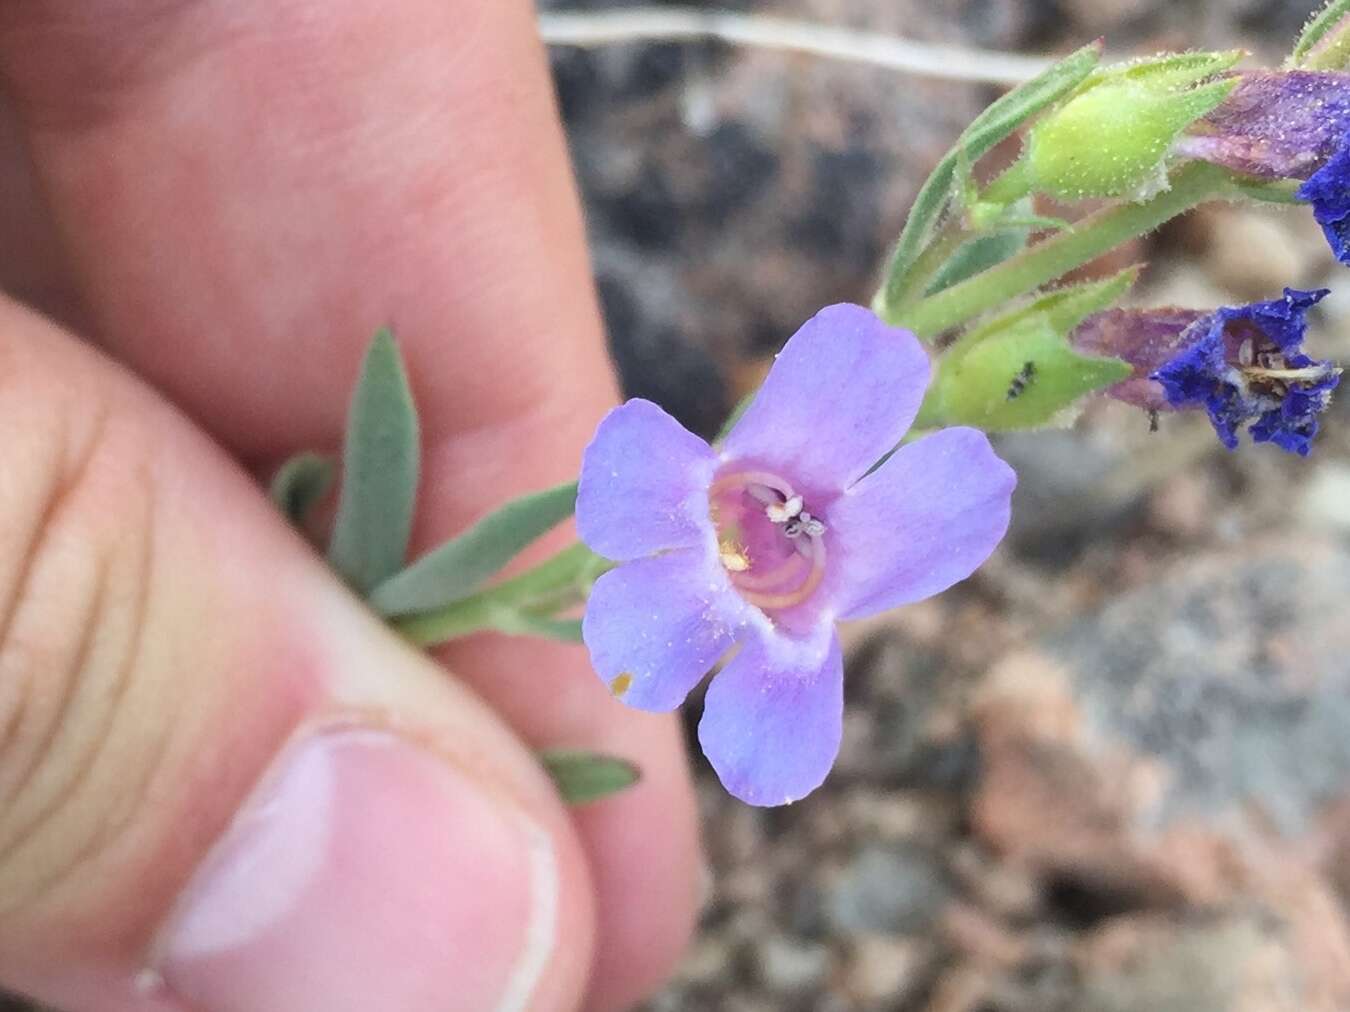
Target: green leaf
column 565, row 630
column 379, row 472
column 978, row 255
column 999, row 121
column 301, row 483
column 582, row 777
column 742, row 406
column 461, row 565
column 550, row 588
column 1315, row 30
column 1004, row 236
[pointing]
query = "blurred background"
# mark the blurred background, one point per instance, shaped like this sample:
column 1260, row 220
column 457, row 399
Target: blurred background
column 1111, row 772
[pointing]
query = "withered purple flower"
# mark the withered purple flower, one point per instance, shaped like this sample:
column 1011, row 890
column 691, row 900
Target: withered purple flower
column 1275, row 124
column 1243, row 364
column 765, row 541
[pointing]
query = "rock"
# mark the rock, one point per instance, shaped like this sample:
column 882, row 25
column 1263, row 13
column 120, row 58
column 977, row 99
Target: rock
column 887, row 970
column 785, row 965
column 1064, row 495
column 889, row 890
column 1325, row 500
column 1187, row 746
column 707, row 961
column 1153, row 964
column 1254, row 252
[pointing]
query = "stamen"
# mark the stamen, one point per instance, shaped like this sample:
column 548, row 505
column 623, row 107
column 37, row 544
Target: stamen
column 734, row 557
column 781, row 513
column 794, row 597
column 748, row 479
column 1309, row 373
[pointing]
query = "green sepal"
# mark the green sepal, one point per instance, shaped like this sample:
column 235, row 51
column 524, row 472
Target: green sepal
column 998, row 122
column 1111, row 139
column 460, row 566
column 301, row 483
column 1019, row 371
column 1021, row 379
column 1325, row 41
column 1170, row 70
column 379, row 472
column 582, row 777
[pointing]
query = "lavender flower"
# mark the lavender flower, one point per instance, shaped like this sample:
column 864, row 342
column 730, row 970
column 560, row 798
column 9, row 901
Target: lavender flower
column 1328, row 190
column 766, row 541
column 1242, row 364
column 1275, row 124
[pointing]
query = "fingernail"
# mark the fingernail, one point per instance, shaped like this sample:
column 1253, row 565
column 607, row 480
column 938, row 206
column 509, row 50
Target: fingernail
column 365, row 873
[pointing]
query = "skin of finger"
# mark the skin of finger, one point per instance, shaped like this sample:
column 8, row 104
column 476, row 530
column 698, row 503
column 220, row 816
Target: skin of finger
column 33, row 267
column 250, row 196
column 216, row 637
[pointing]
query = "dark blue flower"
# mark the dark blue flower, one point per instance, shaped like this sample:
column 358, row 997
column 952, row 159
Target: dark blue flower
column 1244, row 364
column 1328, row 191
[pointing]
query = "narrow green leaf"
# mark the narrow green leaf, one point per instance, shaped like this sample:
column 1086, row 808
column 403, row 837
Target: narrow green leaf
column 582, row 777
column 1004, row 238
column 741, row 407
column 550, row 588
column 461, row 565
column 565, row 630
column 1316, row 29
column 379, row 471
column 301, row 483
column 999, row 121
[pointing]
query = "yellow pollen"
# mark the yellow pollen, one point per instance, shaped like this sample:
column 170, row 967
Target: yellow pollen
column 621, row 684
column 734, row 557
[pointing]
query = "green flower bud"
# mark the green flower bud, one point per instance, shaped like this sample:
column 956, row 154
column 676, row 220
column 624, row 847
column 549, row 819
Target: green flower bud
column 1112, row 138
column 1019, row 371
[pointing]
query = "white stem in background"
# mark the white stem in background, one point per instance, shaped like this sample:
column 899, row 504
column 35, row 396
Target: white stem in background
column 587, row 29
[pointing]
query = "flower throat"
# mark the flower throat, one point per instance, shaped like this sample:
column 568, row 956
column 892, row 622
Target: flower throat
column 771, row 545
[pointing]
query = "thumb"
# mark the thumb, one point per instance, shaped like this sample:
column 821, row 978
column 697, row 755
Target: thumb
column 223, row 785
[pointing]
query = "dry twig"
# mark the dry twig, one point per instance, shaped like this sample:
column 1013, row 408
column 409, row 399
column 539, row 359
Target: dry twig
column 587, row 29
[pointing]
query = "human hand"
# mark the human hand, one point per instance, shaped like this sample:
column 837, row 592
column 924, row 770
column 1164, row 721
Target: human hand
column 214, row 765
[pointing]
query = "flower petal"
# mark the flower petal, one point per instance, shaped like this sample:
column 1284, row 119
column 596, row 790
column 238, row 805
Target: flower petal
column 1328, row 190
column 924, row 520
column 841, row 393
column 773, row 718
column 656, row 626
column 644, row 485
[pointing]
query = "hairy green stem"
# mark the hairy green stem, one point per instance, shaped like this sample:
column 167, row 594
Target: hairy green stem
column 558, row 582
column 1079, row 244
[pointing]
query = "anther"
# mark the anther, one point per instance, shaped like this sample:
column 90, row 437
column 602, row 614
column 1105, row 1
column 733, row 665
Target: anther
column 783, row 512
